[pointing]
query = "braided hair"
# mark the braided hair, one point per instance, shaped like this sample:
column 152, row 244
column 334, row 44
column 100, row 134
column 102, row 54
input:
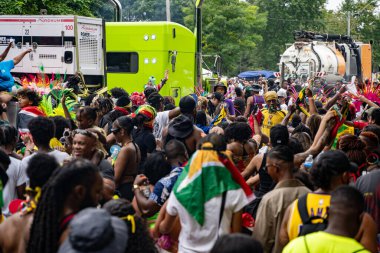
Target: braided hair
column 45, row 230
column 353, row 147
column 104, row 105
column 140, row 241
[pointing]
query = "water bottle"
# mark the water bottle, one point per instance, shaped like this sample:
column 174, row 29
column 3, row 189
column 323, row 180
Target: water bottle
column 308, row 162
column 114, row 150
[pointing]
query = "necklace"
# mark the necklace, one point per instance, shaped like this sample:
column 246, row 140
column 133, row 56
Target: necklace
column 128, row 143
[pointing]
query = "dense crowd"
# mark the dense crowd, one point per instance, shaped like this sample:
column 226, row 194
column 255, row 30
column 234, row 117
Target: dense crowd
column 254, row 166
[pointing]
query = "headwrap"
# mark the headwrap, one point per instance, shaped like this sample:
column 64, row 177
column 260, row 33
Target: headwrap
column 149, row 112
column 270, row 95
column 137, row 99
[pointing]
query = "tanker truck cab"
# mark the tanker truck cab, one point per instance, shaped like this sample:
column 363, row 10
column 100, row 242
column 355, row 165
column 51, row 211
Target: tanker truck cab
column 136, row 51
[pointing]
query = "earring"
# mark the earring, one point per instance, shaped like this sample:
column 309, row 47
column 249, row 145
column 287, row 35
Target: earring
column 372, row 158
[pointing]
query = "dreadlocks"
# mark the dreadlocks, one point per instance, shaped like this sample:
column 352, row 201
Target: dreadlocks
column 45, row 231
column 139, row 241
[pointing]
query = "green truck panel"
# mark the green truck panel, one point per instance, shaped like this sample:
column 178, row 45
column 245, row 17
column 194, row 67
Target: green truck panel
column 138, row 50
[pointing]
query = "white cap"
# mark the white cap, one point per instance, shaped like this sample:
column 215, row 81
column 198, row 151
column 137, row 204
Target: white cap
column 282, row 93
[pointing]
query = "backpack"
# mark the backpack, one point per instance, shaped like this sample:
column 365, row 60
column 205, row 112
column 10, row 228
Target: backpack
column 307, row 222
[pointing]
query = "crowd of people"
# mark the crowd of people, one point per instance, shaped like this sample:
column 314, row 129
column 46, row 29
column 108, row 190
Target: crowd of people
column 254, row 166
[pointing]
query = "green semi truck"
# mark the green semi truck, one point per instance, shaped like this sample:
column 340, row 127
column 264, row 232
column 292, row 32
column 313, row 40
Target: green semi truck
column 136, row 51
column 106, row 54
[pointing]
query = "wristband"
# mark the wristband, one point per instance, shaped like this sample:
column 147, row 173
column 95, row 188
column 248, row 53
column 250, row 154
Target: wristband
column 135, row 187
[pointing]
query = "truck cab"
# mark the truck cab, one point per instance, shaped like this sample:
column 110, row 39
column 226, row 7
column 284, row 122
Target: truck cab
column 136, row 51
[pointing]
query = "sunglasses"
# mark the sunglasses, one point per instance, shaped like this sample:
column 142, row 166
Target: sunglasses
column 115, row 130
column 62, row 140
column 85, row 132
column 66, row 133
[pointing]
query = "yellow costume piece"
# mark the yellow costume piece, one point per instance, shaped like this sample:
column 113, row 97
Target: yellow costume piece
column 270, row 120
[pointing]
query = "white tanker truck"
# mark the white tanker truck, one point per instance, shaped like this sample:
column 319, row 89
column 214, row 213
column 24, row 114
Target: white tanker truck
column 333, row 57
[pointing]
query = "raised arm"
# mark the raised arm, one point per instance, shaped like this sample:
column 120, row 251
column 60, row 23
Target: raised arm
column 369, row 102
column 332, row 101
column 64, row 107
column 19, row 57
column 6, row 51
column 312, row 107
column 322, row 139
column 163, row 81
column 291, row 110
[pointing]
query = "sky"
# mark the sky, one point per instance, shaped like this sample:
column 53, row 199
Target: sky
column 333, row 4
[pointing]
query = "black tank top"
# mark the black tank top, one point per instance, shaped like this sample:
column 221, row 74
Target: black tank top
column 266, row 182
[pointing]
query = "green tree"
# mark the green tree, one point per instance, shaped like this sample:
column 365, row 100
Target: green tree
column 284, row 17
column 230, row 29
column 334, row 22
column 53, row 7
column 365, row 24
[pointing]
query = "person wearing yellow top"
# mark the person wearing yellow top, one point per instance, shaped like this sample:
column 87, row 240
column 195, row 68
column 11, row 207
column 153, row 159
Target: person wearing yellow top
column 272, row 115
column 317, row 205
column 346, row 210
column 323, row 242
column 328, row 173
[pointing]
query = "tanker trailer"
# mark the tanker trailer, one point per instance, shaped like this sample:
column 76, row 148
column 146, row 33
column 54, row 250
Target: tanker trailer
column 335, row 57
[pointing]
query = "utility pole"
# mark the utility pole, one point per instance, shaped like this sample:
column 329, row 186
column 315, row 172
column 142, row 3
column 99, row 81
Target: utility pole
column 348, row 23
column 198, row 27
column 168, row 10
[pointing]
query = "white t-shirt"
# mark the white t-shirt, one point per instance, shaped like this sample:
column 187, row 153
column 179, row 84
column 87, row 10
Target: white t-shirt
column 193, row 237
column 17, row 177
column 58, row 155
column 160, row 122
column 284, row 107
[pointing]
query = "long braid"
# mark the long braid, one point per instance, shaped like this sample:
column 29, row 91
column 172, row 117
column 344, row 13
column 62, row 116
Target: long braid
column 140, row 240
column 45, row 230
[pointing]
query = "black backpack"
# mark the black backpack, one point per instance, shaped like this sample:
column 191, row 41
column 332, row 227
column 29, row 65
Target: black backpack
column 307, row 222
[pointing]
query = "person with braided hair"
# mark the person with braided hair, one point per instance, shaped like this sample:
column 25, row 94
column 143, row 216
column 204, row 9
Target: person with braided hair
column 354, row 148
column 143, row 132
column 139, row 240
column 14, row 232
column 128, row 159
column 72, row 188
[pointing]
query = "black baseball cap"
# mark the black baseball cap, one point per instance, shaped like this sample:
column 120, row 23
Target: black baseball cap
column 279, row 135
column 187, row 104
column 155, row 98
